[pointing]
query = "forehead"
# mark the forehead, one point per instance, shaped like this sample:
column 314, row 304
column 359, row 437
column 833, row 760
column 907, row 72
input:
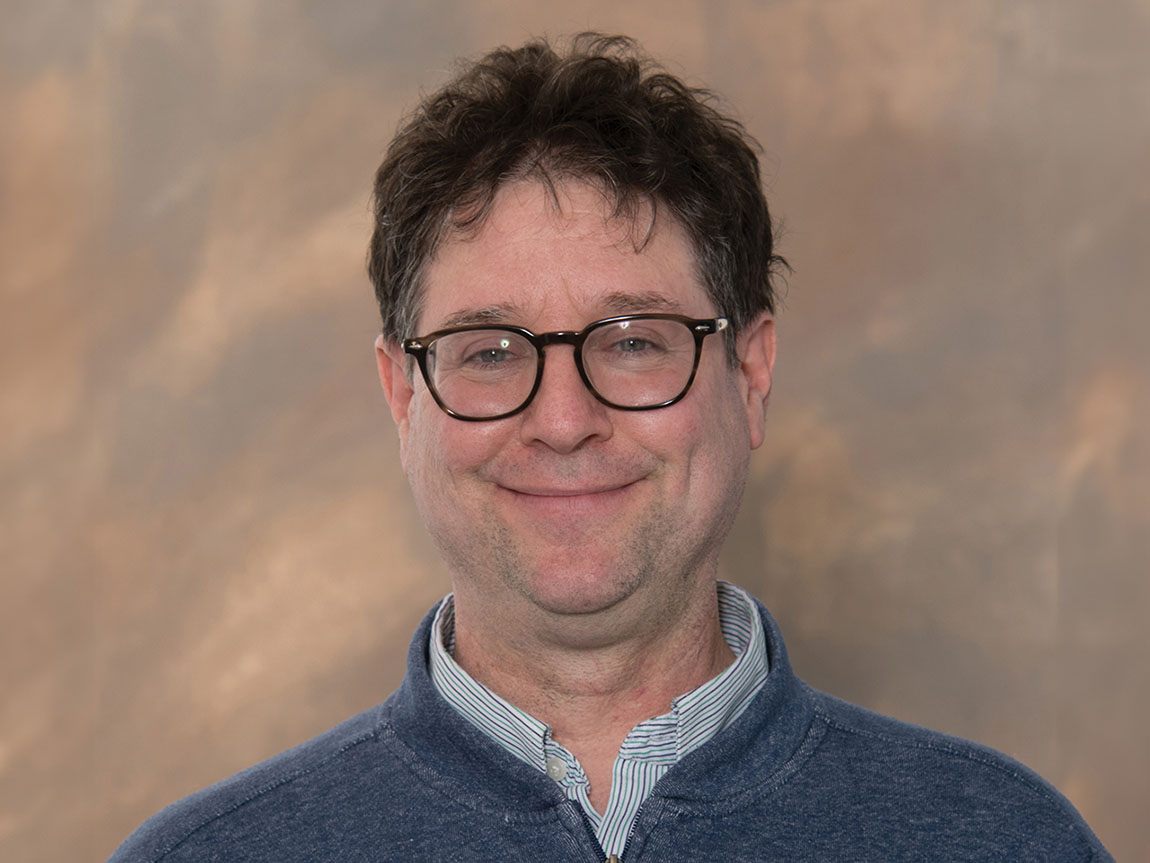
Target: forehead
column 558, row 259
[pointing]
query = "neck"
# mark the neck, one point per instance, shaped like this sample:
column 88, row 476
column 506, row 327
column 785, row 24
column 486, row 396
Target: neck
column 593, row 691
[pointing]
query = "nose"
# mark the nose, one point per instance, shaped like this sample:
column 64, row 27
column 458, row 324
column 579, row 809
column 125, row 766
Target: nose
column 564, row 414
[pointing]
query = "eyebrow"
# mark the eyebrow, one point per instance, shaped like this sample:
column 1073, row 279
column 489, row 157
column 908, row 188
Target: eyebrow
column 497, row 314
column 615, row 303
column 647, row 301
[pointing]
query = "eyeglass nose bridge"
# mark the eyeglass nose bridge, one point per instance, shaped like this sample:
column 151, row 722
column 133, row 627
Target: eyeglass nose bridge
column 562, row 337
column 576, row 339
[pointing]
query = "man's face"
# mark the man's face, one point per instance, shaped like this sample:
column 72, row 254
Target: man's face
column 572, row 508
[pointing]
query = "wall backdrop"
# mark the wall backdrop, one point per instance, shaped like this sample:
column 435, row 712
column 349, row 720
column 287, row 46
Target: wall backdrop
column 208, row 551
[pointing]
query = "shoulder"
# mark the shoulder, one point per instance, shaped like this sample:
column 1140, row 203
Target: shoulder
column 956, row 785
column 305, row 774
column 854, row 729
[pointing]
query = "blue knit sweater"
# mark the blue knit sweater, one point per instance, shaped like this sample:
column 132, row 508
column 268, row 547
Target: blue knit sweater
column 800, row 776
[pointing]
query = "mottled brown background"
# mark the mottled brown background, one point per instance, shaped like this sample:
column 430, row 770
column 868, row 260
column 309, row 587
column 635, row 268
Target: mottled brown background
column 208, row 550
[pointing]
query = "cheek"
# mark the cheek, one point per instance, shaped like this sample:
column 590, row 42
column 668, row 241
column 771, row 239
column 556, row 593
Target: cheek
column 722, row 437
column 437, row 450
column 422, row 447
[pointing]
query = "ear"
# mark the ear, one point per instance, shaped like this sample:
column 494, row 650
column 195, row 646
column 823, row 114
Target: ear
column 397, row 387
column 755, row 349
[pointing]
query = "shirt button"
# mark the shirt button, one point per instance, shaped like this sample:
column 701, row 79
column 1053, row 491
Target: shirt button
column 556, row 769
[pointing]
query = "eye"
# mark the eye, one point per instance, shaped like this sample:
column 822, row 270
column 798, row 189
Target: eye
column 481, row 351
column 633, row 340
column 637, row 345
column 489, row 356
column 489, row 352
column 634, row 345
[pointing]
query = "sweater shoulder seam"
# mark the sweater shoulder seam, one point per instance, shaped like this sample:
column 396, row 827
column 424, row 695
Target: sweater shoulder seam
column 999, row 765
column 264, row 790
column 934, row 746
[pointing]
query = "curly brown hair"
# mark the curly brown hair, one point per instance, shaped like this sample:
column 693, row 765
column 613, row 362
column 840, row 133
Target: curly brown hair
column 603, row 113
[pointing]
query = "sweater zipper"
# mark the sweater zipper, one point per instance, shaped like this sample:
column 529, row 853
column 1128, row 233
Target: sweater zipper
column 630, row 833
column 591, row 832
column 614, row 858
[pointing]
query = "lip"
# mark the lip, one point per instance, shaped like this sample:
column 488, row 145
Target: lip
column 529, row 490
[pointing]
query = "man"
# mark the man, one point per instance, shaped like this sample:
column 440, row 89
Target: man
column 574, row 264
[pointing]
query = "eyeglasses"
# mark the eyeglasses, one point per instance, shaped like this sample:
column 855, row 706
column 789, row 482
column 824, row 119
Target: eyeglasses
column 629, row 362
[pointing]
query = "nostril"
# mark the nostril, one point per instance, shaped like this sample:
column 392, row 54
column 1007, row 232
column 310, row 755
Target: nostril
column 564, row 414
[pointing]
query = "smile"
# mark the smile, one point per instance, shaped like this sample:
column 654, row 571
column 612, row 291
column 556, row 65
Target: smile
column 564, row 502
column 554, row 491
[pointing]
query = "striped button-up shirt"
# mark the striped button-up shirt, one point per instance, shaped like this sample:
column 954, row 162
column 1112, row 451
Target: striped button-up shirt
column 649, row 749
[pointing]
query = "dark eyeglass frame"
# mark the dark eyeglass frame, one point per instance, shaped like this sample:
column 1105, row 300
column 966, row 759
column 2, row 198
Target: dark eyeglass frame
column 700, row 328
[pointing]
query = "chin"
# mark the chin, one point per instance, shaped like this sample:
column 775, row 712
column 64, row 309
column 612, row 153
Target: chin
column 578, row 591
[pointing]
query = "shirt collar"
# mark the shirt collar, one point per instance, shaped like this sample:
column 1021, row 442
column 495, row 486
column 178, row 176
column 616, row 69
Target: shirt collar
column 517, row 731
column 708, row 709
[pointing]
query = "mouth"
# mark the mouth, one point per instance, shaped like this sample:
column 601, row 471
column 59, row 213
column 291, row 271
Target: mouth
column 530, row 490
column 568, row 501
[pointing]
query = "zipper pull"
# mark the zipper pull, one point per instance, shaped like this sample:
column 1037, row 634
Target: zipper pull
column 614, row 858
